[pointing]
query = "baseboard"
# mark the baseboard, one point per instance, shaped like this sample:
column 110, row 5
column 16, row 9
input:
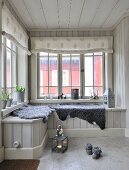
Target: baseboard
column 26, row 153
column 126, row 132
column 90, row 132
column 1, row 154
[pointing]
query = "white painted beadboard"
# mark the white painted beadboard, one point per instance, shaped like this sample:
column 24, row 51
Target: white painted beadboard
column 29, row 133
column 121, row 66
column 121, row 63
column 114, row 119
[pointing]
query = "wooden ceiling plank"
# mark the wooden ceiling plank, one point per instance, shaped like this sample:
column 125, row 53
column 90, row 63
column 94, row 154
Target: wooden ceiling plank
column 102, row 13
column 43, row 10
column 75, row 13
column 22, row 12
column 50, row 13
column 81, row 12
column 88, row 13
column 97, row 9
column 35, row 10
column 117, row 13
column 64, row 8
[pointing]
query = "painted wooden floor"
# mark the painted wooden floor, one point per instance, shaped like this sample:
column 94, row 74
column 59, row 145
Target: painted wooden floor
column 115, row 155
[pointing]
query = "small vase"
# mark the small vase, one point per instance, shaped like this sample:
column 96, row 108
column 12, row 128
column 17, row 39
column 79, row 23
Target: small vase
column 74, row 93
column 9, row 102
column 3, row 104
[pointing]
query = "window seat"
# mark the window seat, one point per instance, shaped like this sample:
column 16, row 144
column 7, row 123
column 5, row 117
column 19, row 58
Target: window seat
column 32, row 134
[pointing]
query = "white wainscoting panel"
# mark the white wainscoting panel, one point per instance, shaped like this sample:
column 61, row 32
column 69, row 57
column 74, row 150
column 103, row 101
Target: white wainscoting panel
column 114, row 119
column 29, row 133
column 123, row 119
column 17, row 133
column 8, row 135
column 36, row 133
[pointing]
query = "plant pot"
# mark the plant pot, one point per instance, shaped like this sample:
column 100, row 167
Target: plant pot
column 9, row 102
column 3, row 104
column 20, row 97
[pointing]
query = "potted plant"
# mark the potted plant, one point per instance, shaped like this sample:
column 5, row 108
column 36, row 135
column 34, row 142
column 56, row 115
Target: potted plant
column 20, row 91
column 9, row 100
column 3, row 98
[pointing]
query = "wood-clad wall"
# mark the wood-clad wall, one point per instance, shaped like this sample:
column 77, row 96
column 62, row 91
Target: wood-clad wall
column 121, row 65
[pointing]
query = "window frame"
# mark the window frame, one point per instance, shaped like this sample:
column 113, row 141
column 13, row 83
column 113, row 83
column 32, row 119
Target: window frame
column 103, row 73
column 61, row 71
column 4, row 62
column 82, row 74
column 38, row 76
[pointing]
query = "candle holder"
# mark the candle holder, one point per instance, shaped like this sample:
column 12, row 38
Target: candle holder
column 59, row 144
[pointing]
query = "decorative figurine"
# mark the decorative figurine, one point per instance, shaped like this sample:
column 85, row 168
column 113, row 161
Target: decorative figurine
column 61, row 96
column 96, row 152
column 109, row 98
column 59, row 131
column 95, row 95
column 89, row 149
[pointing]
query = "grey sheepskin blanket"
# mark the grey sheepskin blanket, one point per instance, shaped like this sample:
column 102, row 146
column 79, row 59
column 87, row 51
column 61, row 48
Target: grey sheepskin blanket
column 33, row 112
column 91, row 113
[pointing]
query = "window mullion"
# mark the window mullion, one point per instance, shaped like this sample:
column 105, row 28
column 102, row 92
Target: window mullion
column 16, row 65
column 5, row 62
column 82, row 77
column 11, row 67
column 71, row 70
column 59, row 73
column 38, row 74
column 103, row 71
column 93, row 71
column 48, row 75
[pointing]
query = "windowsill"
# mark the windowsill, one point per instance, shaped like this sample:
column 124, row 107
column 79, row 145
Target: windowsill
column 58, row 101
column 5, row 112
column 116, row 109
column 66, row 101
